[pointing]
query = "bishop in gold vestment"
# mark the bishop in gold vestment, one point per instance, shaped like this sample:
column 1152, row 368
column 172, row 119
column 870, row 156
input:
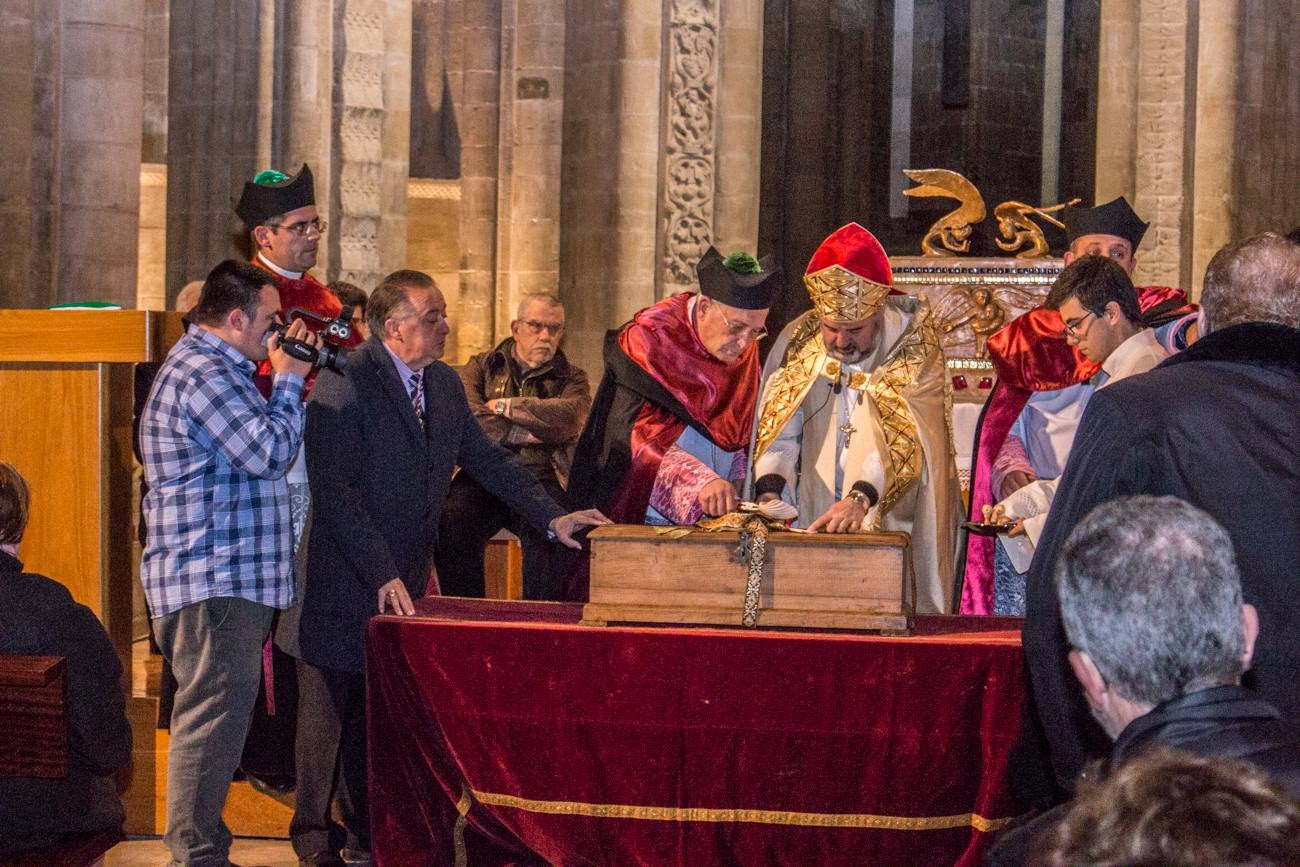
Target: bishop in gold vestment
column 856, row 407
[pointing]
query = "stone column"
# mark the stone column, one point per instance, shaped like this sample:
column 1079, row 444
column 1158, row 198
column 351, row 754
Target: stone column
column 1117, row 84
column 306, row 107
column 479, row 83
column 1162, row 130
column 739, row 139
column 530, row 122
column 101, row 105
column 611, row 159
column 1169, row 99
column 1216, row 124
column 215, row 121
column 73, row 96
column 661, row 144
column 689, row 140
column 20, row 174
column 396, row 148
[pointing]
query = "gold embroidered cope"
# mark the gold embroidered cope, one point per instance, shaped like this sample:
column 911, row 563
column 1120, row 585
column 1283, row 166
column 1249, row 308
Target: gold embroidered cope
column 806, row 358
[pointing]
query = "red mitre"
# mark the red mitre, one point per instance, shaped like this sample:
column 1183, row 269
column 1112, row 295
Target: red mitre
column 848, row 276
column 855, row 249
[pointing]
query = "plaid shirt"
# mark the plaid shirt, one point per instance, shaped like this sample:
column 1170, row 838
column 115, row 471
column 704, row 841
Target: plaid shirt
column 215, row 453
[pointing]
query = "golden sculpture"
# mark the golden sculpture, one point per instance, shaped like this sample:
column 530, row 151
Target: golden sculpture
column 1015, row 225
column 979, row 309
column 953, row 229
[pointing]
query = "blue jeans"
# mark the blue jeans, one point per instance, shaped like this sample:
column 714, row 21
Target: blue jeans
column 215, row 650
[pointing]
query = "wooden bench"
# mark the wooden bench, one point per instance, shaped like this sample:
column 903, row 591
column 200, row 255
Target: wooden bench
column 34, row 743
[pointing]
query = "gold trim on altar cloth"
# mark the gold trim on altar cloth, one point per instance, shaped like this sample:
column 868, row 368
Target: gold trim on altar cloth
column 759, row 817
column 463, row 806
column 839, row 295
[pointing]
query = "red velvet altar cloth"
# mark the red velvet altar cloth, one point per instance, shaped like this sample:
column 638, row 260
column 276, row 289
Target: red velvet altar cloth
column 505, row 733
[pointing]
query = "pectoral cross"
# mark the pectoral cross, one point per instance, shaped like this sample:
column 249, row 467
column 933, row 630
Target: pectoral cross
column 848, row 430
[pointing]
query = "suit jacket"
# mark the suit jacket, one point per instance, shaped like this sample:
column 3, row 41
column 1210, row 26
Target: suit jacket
column 378, row 485
column 38, row 617
column 1218, row 426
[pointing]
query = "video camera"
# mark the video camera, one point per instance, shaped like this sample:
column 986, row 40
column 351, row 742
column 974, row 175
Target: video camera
column 333, row 333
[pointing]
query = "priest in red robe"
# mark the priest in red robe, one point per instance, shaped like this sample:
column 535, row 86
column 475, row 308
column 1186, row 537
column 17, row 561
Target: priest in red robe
column 285, row 232
column 665, row 441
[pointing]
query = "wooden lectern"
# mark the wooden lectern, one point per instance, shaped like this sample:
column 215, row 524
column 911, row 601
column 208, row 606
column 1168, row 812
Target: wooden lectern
column 67, row 377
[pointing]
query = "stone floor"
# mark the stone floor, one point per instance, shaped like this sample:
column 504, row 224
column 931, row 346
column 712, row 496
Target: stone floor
column 246, row 852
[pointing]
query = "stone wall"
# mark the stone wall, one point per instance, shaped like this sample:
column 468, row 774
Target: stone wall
column 73, row 79
column 974, row 98
column 826, row 115
column 1266, row 139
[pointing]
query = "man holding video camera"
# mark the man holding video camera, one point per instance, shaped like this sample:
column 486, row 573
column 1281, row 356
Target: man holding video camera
column 217, row 561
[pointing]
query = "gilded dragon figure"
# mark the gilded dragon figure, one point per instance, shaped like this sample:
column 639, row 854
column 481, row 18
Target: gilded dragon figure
column 953, row 229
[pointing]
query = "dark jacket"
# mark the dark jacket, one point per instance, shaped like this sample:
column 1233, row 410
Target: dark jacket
column 39, row 618
column 1217, row 425
column 378, row 485
column 552, row 402
column 1223, row 722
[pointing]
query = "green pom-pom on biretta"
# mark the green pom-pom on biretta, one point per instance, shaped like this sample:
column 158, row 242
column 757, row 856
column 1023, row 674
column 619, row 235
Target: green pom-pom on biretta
column 267, row 177
column 742, row 263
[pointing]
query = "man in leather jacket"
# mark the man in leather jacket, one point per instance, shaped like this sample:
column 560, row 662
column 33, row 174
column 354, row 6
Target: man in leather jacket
column 530, row 399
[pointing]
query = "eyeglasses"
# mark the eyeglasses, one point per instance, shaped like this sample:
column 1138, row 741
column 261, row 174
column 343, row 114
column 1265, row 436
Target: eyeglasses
column 740, row 329
column 301, row 229
column 1072, row 326
column 535, row 327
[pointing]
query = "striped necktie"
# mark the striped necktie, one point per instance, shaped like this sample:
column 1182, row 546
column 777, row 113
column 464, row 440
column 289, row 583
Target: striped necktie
column 415, row 384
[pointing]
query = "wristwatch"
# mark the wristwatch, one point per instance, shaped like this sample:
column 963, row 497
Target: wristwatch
column 499, row 407
column 859, row 498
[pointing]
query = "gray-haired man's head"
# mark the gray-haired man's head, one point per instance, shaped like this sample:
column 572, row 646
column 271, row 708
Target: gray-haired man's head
column 1150, row 593
column 1256, row 279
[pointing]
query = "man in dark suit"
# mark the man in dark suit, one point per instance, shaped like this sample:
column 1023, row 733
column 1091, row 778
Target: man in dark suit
column 382, row 440
column 1216, row 425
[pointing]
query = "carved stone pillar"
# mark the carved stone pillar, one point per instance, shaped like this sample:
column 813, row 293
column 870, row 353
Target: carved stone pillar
column 368, row 138
column 690, row 140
